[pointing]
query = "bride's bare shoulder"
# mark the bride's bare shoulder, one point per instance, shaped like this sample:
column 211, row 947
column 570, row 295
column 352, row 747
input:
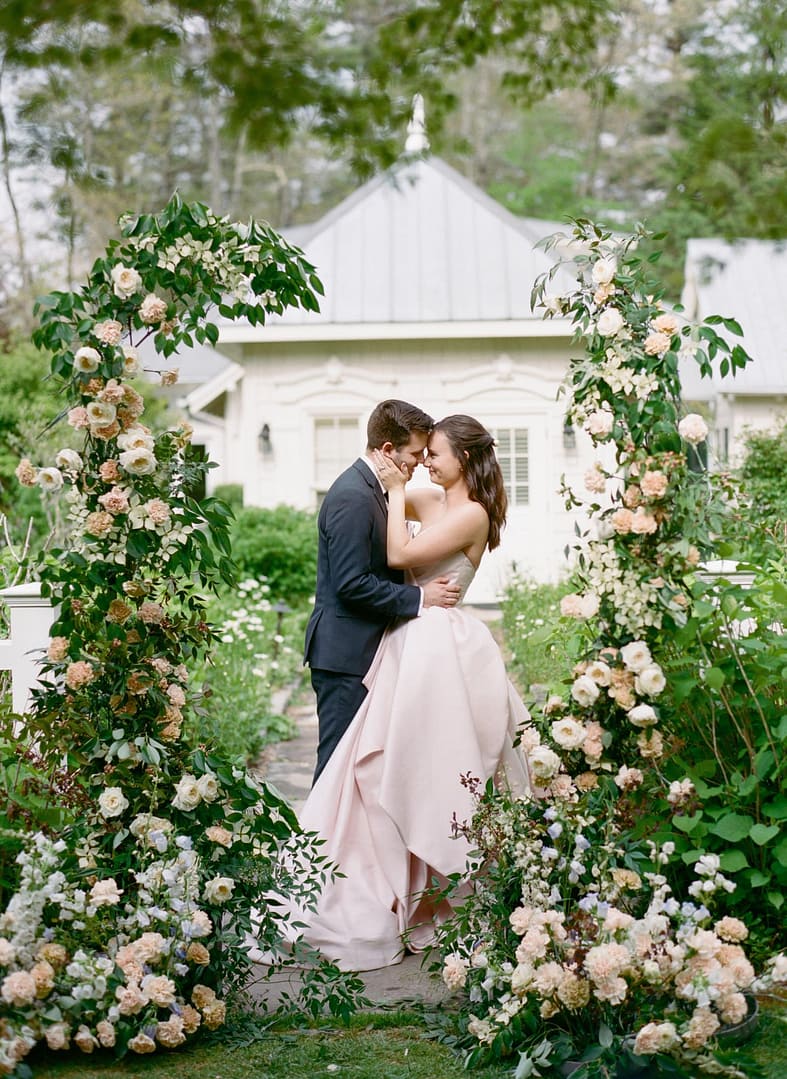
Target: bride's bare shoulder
column 423, row 502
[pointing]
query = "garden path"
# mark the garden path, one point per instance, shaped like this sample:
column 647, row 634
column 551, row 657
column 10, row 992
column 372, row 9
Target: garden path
column 288, row 766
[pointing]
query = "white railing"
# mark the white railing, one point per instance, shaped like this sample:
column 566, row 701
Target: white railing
column 30, row 616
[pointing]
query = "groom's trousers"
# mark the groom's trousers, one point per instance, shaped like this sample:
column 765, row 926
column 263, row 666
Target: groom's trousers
column 339, row 696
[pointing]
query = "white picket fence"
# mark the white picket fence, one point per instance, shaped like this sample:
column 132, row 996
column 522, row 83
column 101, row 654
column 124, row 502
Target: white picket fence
column 30, row 616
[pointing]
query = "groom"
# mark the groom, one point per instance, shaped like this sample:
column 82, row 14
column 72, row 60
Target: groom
column 357, row 594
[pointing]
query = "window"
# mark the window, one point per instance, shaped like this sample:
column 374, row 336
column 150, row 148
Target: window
column 335, row 447
column 514, row 457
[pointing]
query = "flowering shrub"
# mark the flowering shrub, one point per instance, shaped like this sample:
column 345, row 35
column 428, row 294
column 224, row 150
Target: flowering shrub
column 128, row 930
column 574, row 947
column 577, row 941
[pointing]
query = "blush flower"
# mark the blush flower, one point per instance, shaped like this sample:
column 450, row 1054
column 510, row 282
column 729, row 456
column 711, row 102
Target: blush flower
column 152, row 309
column 108, row 332
column 654, row 484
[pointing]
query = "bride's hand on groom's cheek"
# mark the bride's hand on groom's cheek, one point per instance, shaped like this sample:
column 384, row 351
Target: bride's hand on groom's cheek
column 391, row 475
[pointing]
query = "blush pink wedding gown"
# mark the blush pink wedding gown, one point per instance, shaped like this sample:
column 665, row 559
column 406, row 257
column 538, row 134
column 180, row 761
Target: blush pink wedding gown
column 439, row 705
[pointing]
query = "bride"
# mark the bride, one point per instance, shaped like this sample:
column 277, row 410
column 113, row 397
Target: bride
column 439, row 706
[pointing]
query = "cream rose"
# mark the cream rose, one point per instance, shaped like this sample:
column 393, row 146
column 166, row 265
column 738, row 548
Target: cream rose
column 137, row 437
column 584, row 691
column 636, row 656
column 603, row 271
column 568, row 732
column 693, row 428
column 50, row 480
column 642, row 715
column 610, row 322
column 544, row 763
column 68, row 460
column 207, row 784
column 219, row 890
column 187, row 794
column 125, row 281
column 131, row 365
column 18, row 989
column 138, row 462
column 650, row 682
column 87, row 360
column 101, row 413
column 108, row 332
column 112, row 802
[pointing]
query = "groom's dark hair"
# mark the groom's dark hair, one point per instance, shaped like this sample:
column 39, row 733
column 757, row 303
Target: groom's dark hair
column 394, row 421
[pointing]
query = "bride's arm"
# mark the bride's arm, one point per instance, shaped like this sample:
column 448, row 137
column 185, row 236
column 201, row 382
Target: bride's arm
column 454, row 532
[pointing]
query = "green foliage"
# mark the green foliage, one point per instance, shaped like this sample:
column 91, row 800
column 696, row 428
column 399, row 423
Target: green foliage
column 257, row 651
column 271, row 63
column 279, row 545
column 764, row 480
column 531, row 613
column 231, row 493
column 728, row 693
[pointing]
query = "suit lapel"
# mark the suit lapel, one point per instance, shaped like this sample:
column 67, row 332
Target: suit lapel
column 373, row 485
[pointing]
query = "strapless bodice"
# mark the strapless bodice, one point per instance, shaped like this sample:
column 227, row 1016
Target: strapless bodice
column 456, row 565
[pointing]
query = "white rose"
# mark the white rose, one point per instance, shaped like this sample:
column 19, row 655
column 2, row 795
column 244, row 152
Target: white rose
column 642, row 715
column 50, row 479
column 138, row 462
column 603, row 271
column 68, row 460
column 86, row 360
column 599, row 671
column 610, row 322
column 219, row 890
column 568, row 733
column 136, row 438
column 693, row 428
column 112, row 802
column 7, row 952
column 584, row 691
column 599, row 424
column 131, row 365
column 544, row 762
column 187, row 795
column 101, row 413
column 125, row 281
column 208, row 787
column 636, row 655
column 650, row 681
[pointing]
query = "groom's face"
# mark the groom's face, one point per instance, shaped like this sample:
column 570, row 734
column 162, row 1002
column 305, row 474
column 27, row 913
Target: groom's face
column 408, row 457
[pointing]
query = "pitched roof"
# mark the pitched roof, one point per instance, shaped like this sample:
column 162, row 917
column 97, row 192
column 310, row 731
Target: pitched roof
column 420, row 243
column 745, row 280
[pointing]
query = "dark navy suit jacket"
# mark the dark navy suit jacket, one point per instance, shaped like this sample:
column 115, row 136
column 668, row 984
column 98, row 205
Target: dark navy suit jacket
column 357, row 594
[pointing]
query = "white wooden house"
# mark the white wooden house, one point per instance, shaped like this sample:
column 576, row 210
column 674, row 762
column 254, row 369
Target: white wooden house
column 745, row 280
column 427, row 298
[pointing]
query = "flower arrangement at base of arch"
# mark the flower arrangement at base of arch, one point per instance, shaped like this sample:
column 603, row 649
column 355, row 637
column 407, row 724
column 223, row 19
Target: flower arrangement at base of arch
column 573, row 944
column 129, row 930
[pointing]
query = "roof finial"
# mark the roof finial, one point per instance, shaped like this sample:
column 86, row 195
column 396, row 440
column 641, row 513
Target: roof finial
column 417, row 142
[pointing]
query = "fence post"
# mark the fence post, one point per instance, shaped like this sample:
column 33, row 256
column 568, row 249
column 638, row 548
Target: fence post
column 30, row 616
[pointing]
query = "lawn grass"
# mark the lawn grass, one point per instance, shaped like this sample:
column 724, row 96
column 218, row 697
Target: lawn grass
column 375, row 1045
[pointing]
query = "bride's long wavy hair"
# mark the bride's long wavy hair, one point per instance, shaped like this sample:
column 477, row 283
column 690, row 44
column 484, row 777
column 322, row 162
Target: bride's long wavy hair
column 474, row 448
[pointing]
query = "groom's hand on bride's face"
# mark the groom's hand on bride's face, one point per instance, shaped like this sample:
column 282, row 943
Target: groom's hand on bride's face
column 441, row 592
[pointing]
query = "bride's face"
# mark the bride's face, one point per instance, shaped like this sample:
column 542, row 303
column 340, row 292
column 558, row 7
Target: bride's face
column 443, row 465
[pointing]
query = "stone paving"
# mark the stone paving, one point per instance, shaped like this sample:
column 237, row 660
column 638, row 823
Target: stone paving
column 288, row 766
